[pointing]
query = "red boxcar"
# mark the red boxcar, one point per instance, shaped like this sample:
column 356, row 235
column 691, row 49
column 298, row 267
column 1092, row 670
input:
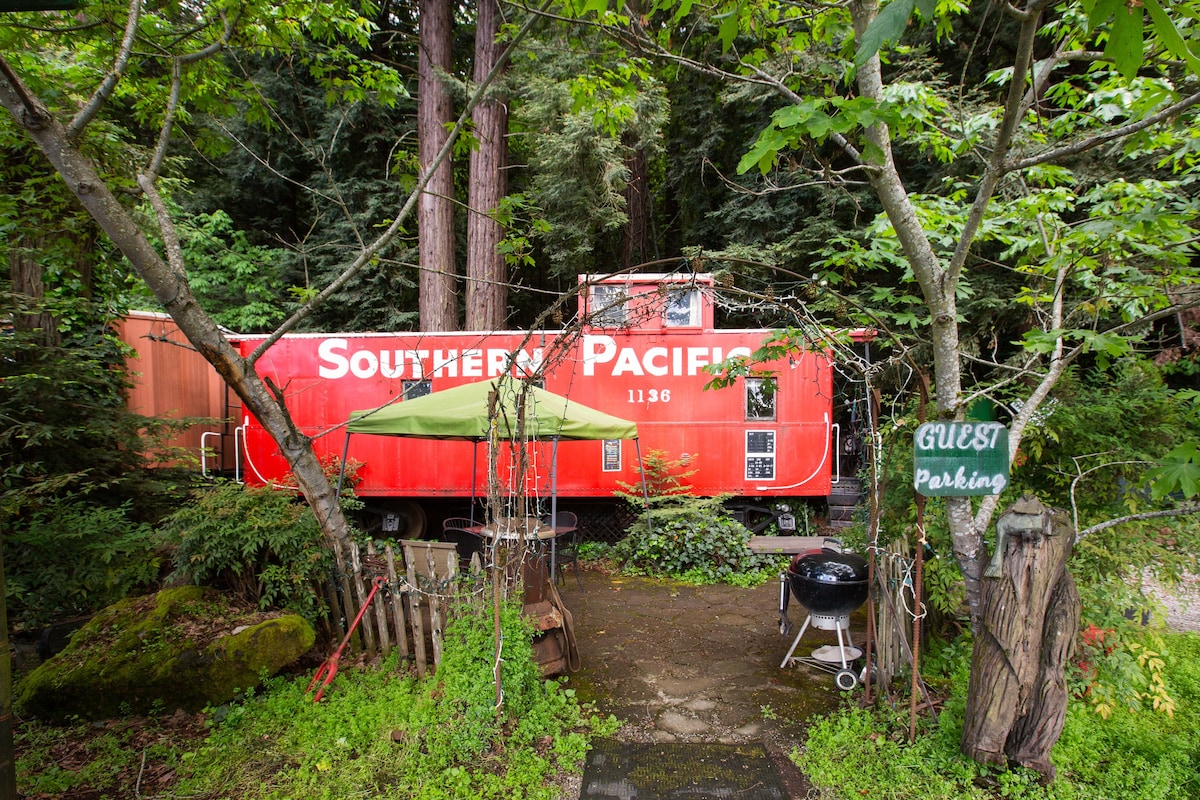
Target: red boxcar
column 640, row 356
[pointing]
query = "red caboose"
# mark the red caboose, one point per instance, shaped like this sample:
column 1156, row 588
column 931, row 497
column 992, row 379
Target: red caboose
column 640, row 355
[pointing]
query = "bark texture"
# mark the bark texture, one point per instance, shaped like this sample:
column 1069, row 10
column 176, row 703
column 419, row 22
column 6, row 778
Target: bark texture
column 635, row 240
column 25, row 272
column 435, row 208
column 1017, row 698
column 487, row 295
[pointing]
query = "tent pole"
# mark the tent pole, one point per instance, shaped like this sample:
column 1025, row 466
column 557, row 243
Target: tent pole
column 342, row 467
column 637, row 442
column 474, row 471
column 553, row 504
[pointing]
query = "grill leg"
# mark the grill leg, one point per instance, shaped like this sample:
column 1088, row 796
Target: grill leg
column 841, row 646
column 796, row 641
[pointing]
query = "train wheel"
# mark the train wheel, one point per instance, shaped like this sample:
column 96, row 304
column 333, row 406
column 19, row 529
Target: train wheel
column 412, row 519
column 393, row 519
column 845, row 679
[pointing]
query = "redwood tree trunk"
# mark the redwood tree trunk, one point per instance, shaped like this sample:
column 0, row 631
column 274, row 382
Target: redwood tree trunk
column 487, row 295
column 1017, row 699
column 635, row 242
column 435, row 209
column 25, row 272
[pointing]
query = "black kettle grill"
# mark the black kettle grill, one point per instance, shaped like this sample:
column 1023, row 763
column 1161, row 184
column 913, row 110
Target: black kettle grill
column 832, row 585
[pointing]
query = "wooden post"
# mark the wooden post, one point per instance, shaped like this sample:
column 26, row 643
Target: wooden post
column 381, row 626
column 1017, row 697
column 414, row 607
column 397, row 600
column 360, row 594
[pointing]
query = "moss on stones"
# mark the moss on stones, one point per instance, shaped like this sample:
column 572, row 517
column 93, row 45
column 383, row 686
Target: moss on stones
column 180, row 648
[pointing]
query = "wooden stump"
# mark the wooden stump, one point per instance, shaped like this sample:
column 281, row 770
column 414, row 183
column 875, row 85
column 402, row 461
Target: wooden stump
column 1017, row 697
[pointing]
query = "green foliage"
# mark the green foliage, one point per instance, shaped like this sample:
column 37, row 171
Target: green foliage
column 1142, row 755
column 698, row 542
column 692, row 539
column 239, row 281
column 71, row 557
column 260, row 543
column 1086, row 434
column 586, row 112
column 77, row 485
column 1180, row 472
column 665, row 481
column 41, row 770
column 382, row 735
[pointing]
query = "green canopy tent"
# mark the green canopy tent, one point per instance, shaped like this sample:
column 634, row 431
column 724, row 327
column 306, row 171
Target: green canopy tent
column 462, row 413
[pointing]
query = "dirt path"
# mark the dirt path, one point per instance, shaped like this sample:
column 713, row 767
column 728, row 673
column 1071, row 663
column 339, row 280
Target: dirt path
column 697, row 664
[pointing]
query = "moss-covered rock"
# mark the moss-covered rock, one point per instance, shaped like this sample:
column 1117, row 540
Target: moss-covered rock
column 181, row 648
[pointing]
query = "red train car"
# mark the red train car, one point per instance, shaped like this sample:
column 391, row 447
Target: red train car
column 640, row 355
column 170, row 379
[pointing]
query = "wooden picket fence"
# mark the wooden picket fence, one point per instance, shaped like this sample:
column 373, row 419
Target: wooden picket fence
column 420, row 588
column 893, row 617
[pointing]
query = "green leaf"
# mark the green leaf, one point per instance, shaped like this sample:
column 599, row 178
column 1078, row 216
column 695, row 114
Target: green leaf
column 1102, row 11
column 1180, row 472
column 729, row 27
column 1169, row 33
column 887, row 27
column 1125, row 41
column 763, row 152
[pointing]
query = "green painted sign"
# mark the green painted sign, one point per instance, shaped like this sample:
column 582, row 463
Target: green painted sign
column 960, row 459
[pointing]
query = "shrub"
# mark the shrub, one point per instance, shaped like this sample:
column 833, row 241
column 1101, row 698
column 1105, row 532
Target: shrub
column 697, row 541
column 72, row 558
column 259, row 543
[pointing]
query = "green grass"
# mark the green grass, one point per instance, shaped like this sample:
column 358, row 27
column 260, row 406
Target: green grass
column 1132, row 755
column 377, row 733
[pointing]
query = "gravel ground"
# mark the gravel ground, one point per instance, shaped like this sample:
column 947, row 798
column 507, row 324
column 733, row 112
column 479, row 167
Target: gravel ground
column 1182, row 602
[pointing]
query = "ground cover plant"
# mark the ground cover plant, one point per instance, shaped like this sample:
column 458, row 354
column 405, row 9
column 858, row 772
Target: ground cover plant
column 379, row 732
column 1132, row 754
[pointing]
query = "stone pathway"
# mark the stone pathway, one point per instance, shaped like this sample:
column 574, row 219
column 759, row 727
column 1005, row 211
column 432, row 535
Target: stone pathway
column 685, row 664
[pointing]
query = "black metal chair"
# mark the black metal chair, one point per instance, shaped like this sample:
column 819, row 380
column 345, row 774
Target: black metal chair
column 462, row 532
column 566, row 543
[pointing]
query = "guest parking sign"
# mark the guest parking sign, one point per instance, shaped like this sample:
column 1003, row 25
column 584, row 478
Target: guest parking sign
column 960, row 459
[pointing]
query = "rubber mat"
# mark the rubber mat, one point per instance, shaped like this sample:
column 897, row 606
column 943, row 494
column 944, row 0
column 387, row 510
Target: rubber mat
column 675, row 771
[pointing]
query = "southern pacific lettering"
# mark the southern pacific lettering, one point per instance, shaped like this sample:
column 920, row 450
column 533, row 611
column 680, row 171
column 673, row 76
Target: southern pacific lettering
column 341, row 357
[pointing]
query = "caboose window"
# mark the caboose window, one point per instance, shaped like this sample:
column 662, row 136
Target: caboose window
column 608, row 306
column 416, row 388
column 683, row 308
column 760, row 398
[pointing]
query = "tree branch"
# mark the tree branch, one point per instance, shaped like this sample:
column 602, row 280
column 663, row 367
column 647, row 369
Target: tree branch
column 1116, row 133
column 164, row 133
column 1014, row 107
column 109, row 84
column 1169, row 512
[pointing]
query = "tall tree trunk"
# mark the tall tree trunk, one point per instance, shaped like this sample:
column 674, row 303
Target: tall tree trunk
column 938, row 287
column 25, row 273
column 435, row 210
column 175, row 294
column 487, row 294
column 1017, row 699
column 635, row 241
